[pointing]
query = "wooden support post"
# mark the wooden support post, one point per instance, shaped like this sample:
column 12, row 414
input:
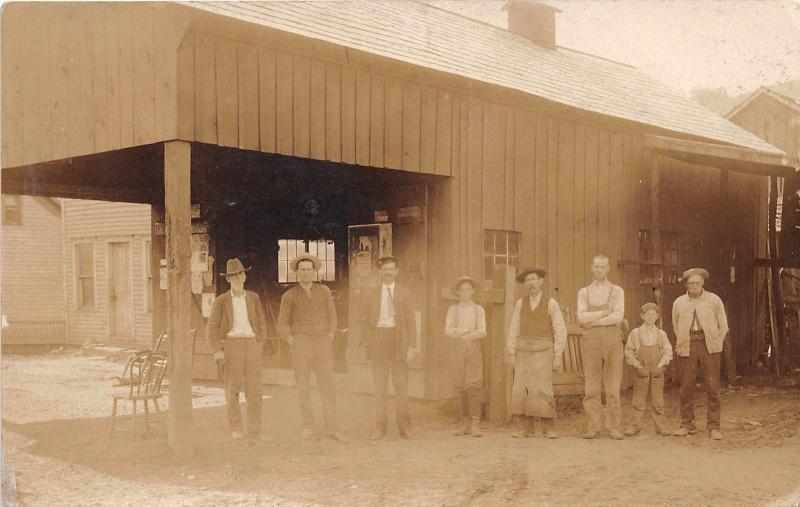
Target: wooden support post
column 655, row 229
column 178, row 230
column 158, row 297
column 502, row 374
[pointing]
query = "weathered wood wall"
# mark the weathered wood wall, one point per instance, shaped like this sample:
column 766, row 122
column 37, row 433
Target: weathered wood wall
column 81, row 78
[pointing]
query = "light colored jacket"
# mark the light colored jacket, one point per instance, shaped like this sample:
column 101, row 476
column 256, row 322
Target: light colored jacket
column 710, row 314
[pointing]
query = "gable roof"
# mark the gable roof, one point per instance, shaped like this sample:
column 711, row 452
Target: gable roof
column 787, row 94
column 423, row 35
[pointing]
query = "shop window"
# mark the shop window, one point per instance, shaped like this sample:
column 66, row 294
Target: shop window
column 324, row 249
column 12, row 210
column 84, row 271
column 499, row 248
column 148, row 277
column 653, row 272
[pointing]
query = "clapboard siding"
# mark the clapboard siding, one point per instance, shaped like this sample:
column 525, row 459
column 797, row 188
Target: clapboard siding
column 82, row 78
column 100, row 223
column 32, row 276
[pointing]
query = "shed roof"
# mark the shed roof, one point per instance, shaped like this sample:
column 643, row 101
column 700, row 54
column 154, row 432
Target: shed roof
column 787, row 94
column 423, row 35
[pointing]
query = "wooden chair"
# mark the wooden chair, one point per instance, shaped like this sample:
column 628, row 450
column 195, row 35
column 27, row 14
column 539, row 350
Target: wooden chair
column 143, row 376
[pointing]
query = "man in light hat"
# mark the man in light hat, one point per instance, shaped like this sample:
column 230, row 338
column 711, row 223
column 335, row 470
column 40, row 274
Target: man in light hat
column 237, row 326
column 535, row 345
column 601, row 308
column 700, row 324
column 391, row 327
column 307, row 322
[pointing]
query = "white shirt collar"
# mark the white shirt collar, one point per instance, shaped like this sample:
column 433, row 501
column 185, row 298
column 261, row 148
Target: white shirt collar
column 391, row 286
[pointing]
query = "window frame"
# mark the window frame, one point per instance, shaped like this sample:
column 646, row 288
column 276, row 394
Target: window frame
column 508, row 234
column 304, row 246
column 79, row 303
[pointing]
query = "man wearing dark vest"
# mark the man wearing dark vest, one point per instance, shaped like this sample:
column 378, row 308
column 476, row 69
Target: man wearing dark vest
column 601, row 308
column 391, row 327
column 536, row 339
column 237, row 326
column 307, row 322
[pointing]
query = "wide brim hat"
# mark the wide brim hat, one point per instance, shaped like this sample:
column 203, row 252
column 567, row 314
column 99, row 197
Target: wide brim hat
column 388, row 258
column 527, row 271
column 694, row 271
column 470, row 280
column 234, row 266
column 649, row 306
column 305, row 257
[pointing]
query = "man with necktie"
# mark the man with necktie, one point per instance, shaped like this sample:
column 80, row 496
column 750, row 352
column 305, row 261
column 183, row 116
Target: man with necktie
column 391, row 327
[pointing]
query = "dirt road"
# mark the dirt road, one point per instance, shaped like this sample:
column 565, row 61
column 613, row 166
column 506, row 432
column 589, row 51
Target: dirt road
column 55, row 436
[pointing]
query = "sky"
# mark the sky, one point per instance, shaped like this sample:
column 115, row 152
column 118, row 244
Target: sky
column 737, row 45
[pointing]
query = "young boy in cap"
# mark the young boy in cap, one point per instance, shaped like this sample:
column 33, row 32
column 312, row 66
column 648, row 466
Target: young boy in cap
column 465, row 324
column 649, row 351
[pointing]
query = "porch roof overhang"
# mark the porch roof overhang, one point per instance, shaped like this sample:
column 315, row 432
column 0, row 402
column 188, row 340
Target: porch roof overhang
column 734, row 158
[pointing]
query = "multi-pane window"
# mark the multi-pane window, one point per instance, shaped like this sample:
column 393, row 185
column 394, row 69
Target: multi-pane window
column 12, row 210
column 148, row 277
column 84, row 274
column 653, row 272
column 499, row 247
column 323, row 249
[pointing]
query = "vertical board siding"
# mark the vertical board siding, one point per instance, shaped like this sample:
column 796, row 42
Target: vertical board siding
column 348, row 115
column 493, row 165
column 248, row 97
column 316, row 121
column 227, row 93
column 333, row 113
column 267, row 99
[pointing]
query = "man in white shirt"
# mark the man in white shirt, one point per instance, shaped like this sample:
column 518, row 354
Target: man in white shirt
column 535, row 345
column 237, row 328
column 601, row 309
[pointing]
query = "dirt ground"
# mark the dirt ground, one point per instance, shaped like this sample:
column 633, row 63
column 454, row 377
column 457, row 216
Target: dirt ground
column 56, row 439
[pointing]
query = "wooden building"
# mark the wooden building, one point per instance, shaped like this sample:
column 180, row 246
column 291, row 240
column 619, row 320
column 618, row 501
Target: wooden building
column 773, row 114
column 32, row 273
column 108, row 281
column 296, row 121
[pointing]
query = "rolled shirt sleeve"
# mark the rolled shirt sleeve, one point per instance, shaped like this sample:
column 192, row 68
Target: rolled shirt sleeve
column 584, row 315
column 480, row 324
column 617, row 308
column 451, row 322
column 559, row 327
column 285, row 316
column 666, row 349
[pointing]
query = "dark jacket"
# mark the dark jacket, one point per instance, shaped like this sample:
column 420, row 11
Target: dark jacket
column 220, row 321
column 307, row 315
column 405, row 322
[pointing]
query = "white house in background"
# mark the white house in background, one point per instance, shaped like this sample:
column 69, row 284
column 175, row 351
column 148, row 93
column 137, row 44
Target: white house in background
column 32, row 271
column 107, row 272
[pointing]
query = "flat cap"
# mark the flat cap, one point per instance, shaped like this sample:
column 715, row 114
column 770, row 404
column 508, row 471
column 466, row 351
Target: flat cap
column 650, row 306
column 694, row 271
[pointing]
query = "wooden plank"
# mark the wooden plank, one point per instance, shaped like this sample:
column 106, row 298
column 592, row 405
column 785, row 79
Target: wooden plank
column 463, row 194
column 301, row 114
column 617, row 206
column 579, row 262
column 591, row 201
column 248, row 101
column 393, row 124
column 493, row 163
column 144, row 100
column 565, row 236
column 510, row 181
column 205, row 98
column 122, row 25
column 349, row 115
column 13, row 85
column 540, row 198
column 603, row 194
column 474, row 191
column 363, row 117
column 316, row 121
column 177, row 170
column 376, row 122
column 267, row 100
column 333, row 113
column 445, row 135
column 553, row 278
column 103, row 140
column 227, row 93
column 59, row 40
column 428, row 130
column 186, row 53
column 412, row 117
column 111, row 84
column 455, row 185
column 524, row 184
column 169, row 30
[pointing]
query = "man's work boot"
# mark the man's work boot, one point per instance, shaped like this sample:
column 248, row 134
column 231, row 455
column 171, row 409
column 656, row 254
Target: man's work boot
column 631, row 431
column 682, row 432
column 715, row 434
column 476, row 427
column 464, row 429
column 590, row 435
column 615, row 434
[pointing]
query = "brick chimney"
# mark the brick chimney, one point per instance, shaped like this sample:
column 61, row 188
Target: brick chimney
column 532, row 20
